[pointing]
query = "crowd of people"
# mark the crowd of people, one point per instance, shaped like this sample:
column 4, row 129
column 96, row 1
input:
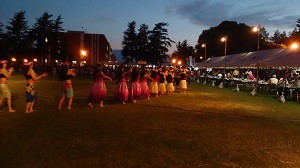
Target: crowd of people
column 144, row 82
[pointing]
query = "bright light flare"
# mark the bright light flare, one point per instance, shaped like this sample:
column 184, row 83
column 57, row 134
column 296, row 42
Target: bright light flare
column 201, row 57
column 83, row 52
column 173, row 60
column 179, row 62
column 255, row 29
column 294, row 46
column 203, row 45
column 13, row 59
column 25, row 60
column 35, row 60
column 223, row 39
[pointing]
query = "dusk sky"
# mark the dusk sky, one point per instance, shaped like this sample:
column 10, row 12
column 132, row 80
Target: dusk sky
column 186, row 18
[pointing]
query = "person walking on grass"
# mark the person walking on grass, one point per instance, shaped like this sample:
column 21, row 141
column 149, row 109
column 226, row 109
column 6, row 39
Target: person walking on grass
column 98, row 92
column 31, row 77
column 67, row 90
column 4, row 90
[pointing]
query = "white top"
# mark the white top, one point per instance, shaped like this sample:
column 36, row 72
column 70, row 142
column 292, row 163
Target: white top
column 273, row 81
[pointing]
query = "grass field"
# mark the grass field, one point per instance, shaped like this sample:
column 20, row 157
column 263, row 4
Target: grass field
column 205, row 127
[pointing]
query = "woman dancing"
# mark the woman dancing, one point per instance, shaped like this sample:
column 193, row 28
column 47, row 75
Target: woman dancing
column 135, row 88
column 4, row 90
column 98, row 92
column 169, row 86
column 145, row 93
column 121, row 93
column 31, row 76
column 154, row 83
column 67, row 89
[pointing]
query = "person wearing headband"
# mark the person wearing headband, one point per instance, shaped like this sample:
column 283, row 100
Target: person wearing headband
column 31, row 77
column 67, row 89
column 4, row 90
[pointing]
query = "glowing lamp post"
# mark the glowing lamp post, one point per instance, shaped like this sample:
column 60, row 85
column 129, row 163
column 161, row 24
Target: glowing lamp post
column 13, row 59
column 25, row 60
column 204, row 46
column 256, row 30
column 224, row 40
column 173, row 61
column 35, row 60
column 179, row 63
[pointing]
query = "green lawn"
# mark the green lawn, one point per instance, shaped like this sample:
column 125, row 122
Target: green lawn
column 205, row 127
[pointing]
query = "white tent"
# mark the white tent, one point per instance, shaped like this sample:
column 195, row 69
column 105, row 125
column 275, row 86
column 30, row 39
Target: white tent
column 265, row 58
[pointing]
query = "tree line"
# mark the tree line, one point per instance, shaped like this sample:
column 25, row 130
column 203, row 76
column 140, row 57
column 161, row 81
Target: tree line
column 152, row 45
column 21, row 41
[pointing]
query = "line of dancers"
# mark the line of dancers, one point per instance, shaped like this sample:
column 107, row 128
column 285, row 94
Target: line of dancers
column 161, row 81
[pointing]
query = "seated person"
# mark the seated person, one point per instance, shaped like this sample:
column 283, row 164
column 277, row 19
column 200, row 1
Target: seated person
column 281, row 83
column 273, row 80
column 251, row 77
column 236, row 73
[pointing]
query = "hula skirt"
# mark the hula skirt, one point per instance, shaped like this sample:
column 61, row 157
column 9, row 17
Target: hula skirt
column 121, row 93
column 170, row 87
column 4, row 91
column 145, row 93
column 154, row 87
column 30, row 93
column 135, row 91
column 98, row 92
column 182, row 84
column 162, row 87
column 67, row 90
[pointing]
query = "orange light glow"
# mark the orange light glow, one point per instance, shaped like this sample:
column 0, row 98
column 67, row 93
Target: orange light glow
column 13, row 59
column 25, row 60
column 294, row 46
column 223, row 39
column 174, row 60
column 255, row 29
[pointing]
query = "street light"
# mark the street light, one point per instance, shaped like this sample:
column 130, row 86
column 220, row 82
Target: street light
column 35, row 60
column 294, row 46
column 13, row 59
column 83, row 53
column 174, row 61
column 179, row 62
column 257, row 30
column 224, row 40
column 204, row 46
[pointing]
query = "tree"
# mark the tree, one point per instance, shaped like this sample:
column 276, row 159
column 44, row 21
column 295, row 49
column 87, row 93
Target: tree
column 41, row 32
column 54, row 39
column 17, row 33
column 183, row 51
column 143, row 43
column 279, row 38
column 129, row 43
column 298, row 25
column 159, row 43
column 240, row 38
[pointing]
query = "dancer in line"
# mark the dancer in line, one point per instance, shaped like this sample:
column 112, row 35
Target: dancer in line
column 145, row 93
column 154, row 83
column 4, row 90
column 169, row 86
column 67, row 90
column 182, row 83
column 135, row 87
column 98, row 92
column 31, row 76
column 161, row 85
column 121, row 93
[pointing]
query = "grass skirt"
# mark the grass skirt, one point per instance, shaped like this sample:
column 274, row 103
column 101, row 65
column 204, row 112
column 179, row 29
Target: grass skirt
column 98, row 92
column 154, row 87
column 121, row 93
column 135, row 91
column 145, row 93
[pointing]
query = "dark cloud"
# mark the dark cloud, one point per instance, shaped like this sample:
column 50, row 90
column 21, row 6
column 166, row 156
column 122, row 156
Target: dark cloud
column 209, row 13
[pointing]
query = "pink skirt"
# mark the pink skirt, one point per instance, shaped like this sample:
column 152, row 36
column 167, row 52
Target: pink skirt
column 121, row 93
column 98, row 92
column 145, row 93
column 135, row 91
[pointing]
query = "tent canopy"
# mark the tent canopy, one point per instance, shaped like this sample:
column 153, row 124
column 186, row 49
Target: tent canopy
column 266, row 58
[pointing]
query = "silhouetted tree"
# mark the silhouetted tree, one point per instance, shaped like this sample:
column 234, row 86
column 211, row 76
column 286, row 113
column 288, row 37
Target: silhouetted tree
column 143, row 43
column 129, row 43
column 240, row 38
column 279, row 38
column 159, row 43
column 298, row 25
column 17, row 33
column 183, row 51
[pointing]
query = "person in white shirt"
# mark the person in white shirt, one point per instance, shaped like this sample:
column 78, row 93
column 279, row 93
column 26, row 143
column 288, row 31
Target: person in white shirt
column 248, row 72
column 273, row 80
column 236, row 73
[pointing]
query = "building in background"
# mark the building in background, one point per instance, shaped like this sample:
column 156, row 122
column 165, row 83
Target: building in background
column 84, row 48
